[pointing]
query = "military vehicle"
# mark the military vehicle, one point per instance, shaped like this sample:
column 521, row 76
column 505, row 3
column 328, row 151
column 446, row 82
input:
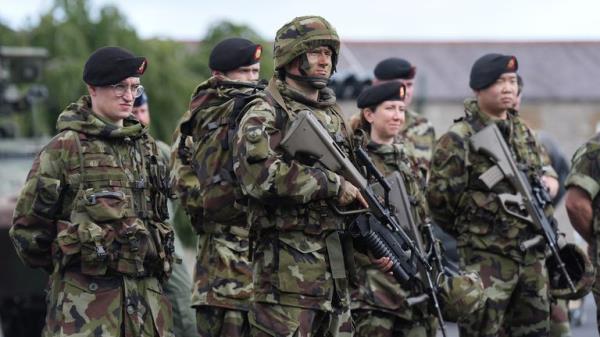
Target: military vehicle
column 22, row 297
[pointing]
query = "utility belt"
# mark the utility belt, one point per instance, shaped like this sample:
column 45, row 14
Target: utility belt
column 313, row 218
column 127, row 247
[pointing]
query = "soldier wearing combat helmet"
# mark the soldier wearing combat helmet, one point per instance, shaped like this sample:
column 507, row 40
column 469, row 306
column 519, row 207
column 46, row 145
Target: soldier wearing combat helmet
column 92, row 211
column 514, row 276
column 205, row 183
column 300, row 279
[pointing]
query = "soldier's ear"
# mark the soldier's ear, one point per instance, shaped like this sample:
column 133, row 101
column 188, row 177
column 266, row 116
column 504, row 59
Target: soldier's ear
column 92, row 90
column 369, row 115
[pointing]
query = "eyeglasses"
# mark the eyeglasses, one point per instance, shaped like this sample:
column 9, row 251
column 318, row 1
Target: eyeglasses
column 121, row 89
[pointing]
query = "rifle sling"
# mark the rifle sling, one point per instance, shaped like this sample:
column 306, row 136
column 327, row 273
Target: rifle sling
column 336, row 255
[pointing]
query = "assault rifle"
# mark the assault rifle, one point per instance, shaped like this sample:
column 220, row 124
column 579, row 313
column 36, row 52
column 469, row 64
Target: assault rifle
column 529, row 202
column 379, row 226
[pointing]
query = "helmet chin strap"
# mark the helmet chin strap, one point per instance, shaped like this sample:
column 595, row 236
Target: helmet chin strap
column 313, row 81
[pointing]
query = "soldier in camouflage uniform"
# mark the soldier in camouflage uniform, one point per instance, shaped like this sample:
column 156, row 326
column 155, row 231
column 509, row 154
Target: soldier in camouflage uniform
column 92, row 212
column 379, row 302
column 417, row 130
column 516, row 281
column 204, row 181
column 178, row 287
column 300, row 282
column 582, row 203
column 380, row 305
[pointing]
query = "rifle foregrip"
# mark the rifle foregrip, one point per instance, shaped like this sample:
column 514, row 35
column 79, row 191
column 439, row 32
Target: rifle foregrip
column 380, row 248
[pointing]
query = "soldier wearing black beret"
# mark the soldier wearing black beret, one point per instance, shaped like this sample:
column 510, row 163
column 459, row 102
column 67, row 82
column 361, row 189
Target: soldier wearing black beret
column 382, row 110
column 112, row 75
column 98, row 185
column 416, row 129
column 394, row 68
column 488, row 68
column 236, row 58
column 489, row 234
column 382, row 118
column 222, row 287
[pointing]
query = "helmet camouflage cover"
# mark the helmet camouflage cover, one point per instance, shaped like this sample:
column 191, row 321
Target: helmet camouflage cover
column 301, row 35
column 460, row 295
column 580, row 269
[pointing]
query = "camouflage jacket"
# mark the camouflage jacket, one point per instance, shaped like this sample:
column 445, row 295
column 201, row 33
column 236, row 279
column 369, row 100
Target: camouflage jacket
column 463, row 206
column 377, row 290
column 288, row 206
column 420, row 133
column 585, row 174
column 92, row 209
column 223, row 273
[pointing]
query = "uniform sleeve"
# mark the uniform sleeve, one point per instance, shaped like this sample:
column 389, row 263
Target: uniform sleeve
column 39, row 204
column 448, row 179
column 262, row 170
column 585, row 171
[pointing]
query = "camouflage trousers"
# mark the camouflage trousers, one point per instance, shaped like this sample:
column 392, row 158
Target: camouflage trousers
column 215, row 321
column 515, row 297
column 274, row 320
column 374, row 323
column 115, row 306
column 559, row 319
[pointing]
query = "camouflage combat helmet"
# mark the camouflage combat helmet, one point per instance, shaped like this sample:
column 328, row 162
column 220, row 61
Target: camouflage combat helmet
column 460, row 295
column 580, row 269
column 302, row 34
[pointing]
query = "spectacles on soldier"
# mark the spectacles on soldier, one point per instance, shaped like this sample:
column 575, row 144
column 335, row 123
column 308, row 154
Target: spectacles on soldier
column 120, row 89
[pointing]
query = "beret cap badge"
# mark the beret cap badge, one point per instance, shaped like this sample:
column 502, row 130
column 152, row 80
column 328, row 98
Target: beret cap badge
column 142, row 67
column 511, row 64
column 257, row 53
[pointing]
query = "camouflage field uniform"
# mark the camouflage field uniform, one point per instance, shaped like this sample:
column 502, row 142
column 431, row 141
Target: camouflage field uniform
column 516, row 284
column 585, row 174
column 223, row 272
column 91, row 213
column 420, row 133
column 379, row 306
column 295, row 293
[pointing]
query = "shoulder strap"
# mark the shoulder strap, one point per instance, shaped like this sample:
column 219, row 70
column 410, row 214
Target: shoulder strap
column 274, row 94
column 80, row 151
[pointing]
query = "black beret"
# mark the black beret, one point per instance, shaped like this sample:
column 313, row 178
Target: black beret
column 111, row 65
column 488, row 68
column 394, row 68
column 233, row 53
column 140, row 100
column 377, row 94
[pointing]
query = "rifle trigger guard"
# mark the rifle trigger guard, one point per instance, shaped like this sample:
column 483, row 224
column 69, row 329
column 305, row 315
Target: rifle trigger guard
column 345, row 213
column 514, row 199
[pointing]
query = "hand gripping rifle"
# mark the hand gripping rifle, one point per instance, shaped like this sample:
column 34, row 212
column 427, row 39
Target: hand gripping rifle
column 378, row 226
column 531, row 199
